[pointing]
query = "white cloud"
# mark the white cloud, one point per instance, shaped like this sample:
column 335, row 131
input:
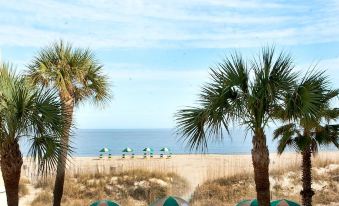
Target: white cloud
column 159, row 24
column 331, row 64
column 332, row 68
column 138, row 72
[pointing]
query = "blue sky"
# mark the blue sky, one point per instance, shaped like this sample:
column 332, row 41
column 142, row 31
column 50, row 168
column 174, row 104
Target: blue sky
column 157, row 53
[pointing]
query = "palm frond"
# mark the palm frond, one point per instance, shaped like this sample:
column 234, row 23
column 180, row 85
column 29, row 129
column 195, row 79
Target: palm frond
column 46, row 150
column 273, row 78
column 199, row 124
column 287, row 128
column 286, row 135
column 232, row 96
column 307, row 99
column 191, row 124
column 221, row 101
column 35, row 112
column 75, row 72
column 328, row 134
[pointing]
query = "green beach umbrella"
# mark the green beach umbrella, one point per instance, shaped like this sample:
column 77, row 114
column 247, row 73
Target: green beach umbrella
column 147, row 149
column 170, row 201
column 284, row 202
column 165, row 149
column 127, row 149
column 248, row 203
column 104, row 150
column 104, row 203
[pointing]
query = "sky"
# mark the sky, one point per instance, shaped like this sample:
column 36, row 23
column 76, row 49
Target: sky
column 157, row 54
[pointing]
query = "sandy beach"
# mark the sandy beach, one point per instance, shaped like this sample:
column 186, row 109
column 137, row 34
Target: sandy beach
column 196, row 168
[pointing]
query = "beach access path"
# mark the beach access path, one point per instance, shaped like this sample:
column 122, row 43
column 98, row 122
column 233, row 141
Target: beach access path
column 195, row 168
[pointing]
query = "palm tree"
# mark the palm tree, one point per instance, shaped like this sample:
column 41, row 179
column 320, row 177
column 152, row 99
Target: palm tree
column 30, row 113
column 242, row 92
column 305, row 111
column 77, row 76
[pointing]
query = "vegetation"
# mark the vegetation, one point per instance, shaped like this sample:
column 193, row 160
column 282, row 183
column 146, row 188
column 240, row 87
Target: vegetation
column 244, row 92
column 31, row 113
column 77, row 76
column 135, row 187
column 39, row 106
column 23, row 189
column 305, row 109
column 285, row 184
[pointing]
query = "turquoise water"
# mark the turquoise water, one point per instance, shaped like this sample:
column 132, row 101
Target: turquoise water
column 88, row 142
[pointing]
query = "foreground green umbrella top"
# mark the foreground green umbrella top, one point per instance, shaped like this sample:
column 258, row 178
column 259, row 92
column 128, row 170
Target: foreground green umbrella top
column 284, row 202
column 104, row 203
column 147, row 149
column 127, row 149
column 104, row 150
column 170, row 201
column 165, row 149
column 248, row 203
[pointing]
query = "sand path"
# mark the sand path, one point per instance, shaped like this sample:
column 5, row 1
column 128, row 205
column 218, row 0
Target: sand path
column 195, row 168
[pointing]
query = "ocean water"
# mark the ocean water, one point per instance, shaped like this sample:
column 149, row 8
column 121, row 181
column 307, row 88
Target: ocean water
column 88, row 142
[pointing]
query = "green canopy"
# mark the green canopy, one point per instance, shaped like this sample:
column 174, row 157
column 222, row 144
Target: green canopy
column 284, row 202
column 165, row 149
column 248, row 203
column 104, row 203
column 170, row 201
column 127, row 149
column 147, row 149
column 104, row 150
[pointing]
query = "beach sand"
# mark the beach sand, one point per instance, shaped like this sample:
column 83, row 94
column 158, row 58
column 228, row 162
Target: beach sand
column 196, row 168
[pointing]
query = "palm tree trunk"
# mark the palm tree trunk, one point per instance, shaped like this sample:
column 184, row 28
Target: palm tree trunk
column 68, row 107
column 11, row 162
column 306, row 179
column 260, row 160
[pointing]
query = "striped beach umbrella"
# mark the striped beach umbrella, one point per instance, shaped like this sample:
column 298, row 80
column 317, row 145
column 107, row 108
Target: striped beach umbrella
column 104, row 203
column 104, row 150
column 284, row 202
column 170, row 201
column 165, row 149
column 248, row 203
column 147, row 149
column 127, row 149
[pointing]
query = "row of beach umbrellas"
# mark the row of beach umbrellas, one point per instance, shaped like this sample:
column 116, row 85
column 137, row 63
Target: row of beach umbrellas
column 177, row 201
column 166, row 201
column 146, row 149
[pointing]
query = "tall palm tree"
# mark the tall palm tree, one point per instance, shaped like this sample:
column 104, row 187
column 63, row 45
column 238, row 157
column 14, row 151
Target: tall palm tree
column 242, row 92
column 77, row 76
column 30, row 113
column 307, row 114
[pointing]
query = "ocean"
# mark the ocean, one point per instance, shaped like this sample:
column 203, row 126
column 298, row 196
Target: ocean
column 88, row 142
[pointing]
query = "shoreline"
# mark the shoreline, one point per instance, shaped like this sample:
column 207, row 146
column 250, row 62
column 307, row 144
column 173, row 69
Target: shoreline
column 156, row 154
column 196, row 168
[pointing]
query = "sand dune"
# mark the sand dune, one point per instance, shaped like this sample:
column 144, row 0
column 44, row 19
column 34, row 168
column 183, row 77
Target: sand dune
column 195, row 168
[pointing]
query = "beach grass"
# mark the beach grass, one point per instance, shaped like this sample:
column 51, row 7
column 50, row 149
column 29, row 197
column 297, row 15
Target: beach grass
column 285, row 183
column 23, row 188
column 184, row 174
column 130, row 188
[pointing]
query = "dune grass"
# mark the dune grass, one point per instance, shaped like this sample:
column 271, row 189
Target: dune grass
column 23, row 189
column 130, row 188
column 285, row 183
